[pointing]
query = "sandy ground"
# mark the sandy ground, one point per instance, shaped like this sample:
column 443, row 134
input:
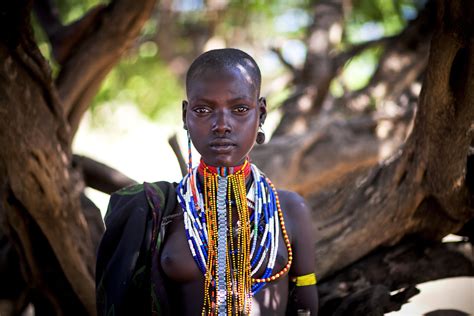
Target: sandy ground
column 451, row 293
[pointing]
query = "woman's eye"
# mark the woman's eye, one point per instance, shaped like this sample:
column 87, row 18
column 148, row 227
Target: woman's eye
column 201, row 110
column 241, row 109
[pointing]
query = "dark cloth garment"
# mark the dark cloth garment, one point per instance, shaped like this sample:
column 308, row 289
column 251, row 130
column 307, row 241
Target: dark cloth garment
column 129, row 278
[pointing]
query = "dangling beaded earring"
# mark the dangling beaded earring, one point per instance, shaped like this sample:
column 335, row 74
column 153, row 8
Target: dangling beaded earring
column 190, row 158
column 260, row 136
column 190, row 168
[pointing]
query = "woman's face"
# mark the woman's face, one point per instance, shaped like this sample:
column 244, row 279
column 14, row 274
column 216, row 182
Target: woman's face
column 222, row 115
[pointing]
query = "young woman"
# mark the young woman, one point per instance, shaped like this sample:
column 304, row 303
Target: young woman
column 223, row 241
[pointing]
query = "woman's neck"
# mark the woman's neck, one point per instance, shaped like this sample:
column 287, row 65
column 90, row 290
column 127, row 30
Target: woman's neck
column 224, row 171
column 244, row 168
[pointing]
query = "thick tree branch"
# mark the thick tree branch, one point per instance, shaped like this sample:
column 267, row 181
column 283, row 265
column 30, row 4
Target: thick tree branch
column 97, row 53
column 100, row 176
column 64, row 38
column 305, row 159
column 408, row 264
column 355, row 142
column 13, row 287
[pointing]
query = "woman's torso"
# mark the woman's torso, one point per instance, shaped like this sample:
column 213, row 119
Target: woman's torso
column 185, row 282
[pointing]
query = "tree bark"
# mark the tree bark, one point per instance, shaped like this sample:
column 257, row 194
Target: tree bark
column 39, row 190
column 100, row 176
column 54, row 228
column 356, row 137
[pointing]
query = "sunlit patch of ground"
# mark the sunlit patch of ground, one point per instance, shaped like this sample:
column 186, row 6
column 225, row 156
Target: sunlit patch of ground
column 446, row 294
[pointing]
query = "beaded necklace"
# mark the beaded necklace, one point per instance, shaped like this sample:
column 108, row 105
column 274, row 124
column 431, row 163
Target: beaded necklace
column 229, row 257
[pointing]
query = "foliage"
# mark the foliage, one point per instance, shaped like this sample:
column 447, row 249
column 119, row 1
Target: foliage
column 371, row 20
column 70, row 11
column 144, row 78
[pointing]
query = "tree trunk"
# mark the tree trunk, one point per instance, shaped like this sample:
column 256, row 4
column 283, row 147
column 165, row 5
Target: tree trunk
column 44, row 214
column 39, row 189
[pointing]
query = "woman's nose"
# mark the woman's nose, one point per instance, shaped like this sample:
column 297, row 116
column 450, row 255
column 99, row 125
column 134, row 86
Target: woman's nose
column 221, row 124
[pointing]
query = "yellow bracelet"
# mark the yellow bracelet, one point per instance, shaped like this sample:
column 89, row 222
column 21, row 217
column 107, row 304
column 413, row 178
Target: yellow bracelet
column 305, row 280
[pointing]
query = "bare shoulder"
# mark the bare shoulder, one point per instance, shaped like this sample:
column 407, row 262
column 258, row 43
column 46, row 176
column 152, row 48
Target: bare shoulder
column 292, row 203
column 295, row 211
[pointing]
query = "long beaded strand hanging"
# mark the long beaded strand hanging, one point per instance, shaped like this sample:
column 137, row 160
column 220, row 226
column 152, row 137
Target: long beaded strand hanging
column 228, row 268
column 221, row 246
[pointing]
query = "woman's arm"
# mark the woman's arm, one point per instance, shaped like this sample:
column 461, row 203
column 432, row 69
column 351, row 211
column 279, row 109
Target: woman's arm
column 304, row 293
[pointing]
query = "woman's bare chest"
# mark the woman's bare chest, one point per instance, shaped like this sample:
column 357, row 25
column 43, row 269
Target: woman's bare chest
column 179, row 265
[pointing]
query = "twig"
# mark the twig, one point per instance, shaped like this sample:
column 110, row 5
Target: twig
column 283, row 60
column 173, row 141
column 344, row 56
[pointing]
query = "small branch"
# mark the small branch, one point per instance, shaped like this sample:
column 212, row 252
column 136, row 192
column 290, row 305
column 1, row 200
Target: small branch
column 341, row 59
column 100, row 176
column 64, row 38
column 417, row 31
column 283, row 60
column 173, row 141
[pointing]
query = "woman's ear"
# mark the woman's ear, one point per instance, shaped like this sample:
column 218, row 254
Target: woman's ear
column 184, row 112
column 262, row 106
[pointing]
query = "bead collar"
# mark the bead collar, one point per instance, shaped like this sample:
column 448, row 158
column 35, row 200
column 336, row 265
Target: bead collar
column 225, row 171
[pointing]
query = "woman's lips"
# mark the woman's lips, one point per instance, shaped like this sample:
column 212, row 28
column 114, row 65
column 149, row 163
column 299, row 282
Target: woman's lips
column 222, row 148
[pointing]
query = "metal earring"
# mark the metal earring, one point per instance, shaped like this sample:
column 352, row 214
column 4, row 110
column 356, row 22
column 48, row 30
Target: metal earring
column 260, row 136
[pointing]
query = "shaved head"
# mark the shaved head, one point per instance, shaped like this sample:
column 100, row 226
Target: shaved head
column 225, row 59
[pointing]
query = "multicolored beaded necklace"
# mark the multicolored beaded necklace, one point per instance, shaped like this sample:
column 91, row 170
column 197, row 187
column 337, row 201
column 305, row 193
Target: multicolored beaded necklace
column 229, row 257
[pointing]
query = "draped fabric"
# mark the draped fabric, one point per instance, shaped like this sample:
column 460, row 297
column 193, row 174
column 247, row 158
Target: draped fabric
column 129, row 278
